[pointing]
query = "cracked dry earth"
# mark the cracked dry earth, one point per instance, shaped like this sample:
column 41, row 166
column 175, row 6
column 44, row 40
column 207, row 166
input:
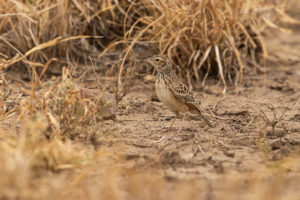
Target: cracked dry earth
column 257, row 125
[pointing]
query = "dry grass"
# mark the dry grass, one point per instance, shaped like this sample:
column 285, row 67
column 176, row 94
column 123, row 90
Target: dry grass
column 202, row 37
column 34, row 167
column 45, row 160
column 48, row 130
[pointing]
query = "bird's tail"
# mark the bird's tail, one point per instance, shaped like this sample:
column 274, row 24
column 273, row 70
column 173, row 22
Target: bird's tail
column 202, row 116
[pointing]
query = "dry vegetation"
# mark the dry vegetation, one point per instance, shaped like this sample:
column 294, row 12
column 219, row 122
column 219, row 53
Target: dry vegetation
column 54, row 142
column 202, row 37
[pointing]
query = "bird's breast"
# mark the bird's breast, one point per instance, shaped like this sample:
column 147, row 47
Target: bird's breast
column 166, row 96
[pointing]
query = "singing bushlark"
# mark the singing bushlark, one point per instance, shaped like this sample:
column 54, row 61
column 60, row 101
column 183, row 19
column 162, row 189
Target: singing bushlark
column 171, row 91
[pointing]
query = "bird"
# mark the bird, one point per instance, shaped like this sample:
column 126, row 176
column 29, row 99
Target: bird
column 172, row 92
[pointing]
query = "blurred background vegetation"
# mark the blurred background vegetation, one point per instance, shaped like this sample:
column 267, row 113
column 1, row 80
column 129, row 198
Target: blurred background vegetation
column 40, row 156
column 203, row 38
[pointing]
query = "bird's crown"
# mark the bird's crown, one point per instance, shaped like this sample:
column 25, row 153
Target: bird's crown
column 161, row 63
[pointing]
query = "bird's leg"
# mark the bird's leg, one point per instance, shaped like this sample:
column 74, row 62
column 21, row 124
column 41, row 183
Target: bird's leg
column 165, row 131
column 179, row 130
column 176, row 116
column 169, row 129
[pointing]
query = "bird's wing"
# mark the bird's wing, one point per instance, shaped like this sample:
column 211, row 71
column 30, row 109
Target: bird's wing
column 181, row 92
column 184, row 95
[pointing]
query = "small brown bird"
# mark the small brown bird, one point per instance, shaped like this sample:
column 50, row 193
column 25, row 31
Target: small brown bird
column 171, row 91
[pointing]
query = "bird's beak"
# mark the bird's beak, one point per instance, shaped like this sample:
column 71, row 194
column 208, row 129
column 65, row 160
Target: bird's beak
column 148, row 60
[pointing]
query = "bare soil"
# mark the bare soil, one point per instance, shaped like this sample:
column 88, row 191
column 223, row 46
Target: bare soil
column 256, row 131
column 257, row 124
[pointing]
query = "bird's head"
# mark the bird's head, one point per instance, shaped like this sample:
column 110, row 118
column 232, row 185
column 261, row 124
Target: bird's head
column 161, row 63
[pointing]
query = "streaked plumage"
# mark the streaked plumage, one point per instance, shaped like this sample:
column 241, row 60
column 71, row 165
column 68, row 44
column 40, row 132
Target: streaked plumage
column 171, row 91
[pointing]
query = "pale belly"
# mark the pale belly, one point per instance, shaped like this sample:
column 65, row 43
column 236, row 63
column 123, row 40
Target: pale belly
column 167, row 98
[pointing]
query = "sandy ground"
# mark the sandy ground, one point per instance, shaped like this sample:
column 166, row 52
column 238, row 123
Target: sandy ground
column 241, row 141
column 256, row 130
